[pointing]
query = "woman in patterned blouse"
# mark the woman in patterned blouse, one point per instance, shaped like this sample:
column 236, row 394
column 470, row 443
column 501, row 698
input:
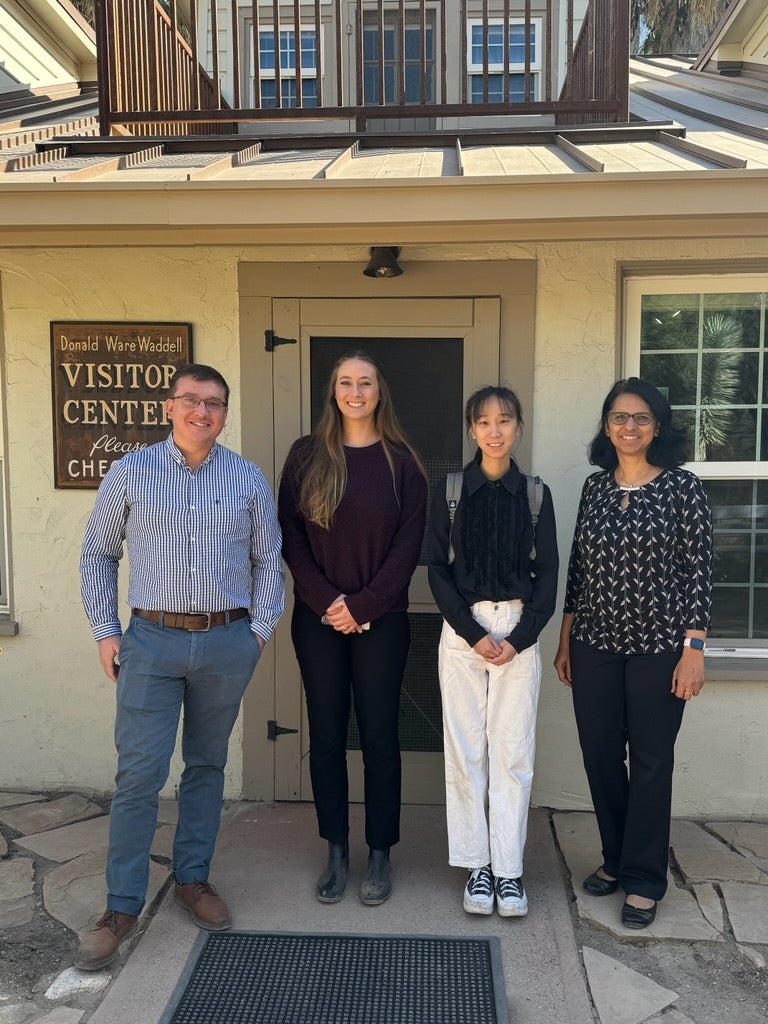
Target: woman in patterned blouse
column 636, row 613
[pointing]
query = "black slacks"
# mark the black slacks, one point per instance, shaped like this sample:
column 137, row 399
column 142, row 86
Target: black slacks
column 623, row 703
column 334, row 668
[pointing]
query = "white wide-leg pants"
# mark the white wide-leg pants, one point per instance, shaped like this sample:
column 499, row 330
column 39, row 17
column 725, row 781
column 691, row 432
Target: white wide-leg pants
column 489, row 722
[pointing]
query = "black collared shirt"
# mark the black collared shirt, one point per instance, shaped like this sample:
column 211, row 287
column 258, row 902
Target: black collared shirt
column 453, row 586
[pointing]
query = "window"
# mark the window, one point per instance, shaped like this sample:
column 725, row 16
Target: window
column 288, row 72
column 392, row 58
column 515, row 66
column 704, row 343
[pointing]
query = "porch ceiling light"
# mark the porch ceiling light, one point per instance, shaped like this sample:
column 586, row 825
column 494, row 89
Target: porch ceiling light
column 383, row 261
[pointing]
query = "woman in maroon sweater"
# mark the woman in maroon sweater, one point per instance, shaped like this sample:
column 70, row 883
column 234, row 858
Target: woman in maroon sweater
column 352, row 505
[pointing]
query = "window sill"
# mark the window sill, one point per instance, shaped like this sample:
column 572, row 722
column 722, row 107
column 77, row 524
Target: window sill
column 738, row 669
column 7, row 626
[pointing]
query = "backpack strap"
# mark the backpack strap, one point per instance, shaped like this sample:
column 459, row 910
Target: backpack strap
column 453, row 484
column 535, row 487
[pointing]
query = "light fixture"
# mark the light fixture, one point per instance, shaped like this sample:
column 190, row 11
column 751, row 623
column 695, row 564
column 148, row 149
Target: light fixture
column 383, row 262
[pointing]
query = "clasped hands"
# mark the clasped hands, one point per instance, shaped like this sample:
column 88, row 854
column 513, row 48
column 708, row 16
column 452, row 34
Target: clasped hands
column 340, row 617
column 493, row 651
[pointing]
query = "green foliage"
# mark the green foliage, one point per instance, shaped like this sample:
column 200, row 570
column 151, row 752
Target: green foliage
column 87, row 9
column 720, row 383
column 673, row 26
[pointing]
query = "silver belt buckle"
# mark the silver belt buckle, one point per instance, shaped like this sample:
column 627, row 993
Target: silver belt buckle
column 200, row 615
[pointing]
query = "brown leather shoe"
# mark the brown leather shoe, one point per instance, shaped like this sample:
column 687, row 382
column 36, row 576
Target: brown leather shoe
column 207, row 909
column 98, row 947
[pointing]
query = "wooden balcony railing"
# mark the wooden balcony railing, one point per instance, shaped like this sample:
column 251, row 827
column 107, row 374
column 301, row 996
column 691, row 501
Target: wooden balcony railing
column 357, row 61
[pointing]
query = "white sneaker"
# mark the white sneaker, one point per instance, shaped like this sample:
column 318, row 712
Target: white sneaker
column 511, row 900
column 478, row 892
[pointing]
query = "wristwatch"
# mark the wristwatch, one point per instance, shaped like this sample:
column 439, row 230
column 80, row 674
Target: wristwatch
column 695, row 642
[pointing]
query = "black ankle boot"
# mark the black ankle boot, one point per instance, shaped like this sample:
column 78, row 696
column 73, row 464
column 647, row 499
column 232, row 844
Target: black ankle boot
column 377, row 884
column 333, row 881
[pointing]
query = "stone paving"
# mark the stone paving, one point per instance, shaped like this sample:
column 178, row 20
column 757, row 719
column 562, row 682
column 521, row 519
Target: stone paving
column 718, row 892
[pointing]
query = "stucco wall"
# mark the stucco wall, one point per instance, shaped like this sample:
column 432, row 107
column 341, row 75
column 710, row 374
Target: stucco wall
column 56, row 708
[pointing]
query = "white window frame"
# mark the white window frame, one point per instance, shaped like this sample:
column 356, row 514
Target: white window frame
column 515, row 67
column 636, row 286
column 269, row 75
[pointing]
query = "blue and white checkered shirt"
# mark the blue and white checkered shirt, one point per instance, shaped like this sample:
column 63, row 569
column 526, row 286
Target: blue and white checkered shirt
column 203, row 541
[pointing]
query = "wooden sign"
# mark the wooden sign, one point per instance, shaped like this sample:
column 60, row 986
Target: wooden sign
column 110, row 383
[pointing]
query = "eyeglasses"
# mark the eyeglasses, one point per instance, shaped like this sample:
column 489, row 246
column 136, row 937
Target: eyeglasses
column 641, row 419
column 192, row 402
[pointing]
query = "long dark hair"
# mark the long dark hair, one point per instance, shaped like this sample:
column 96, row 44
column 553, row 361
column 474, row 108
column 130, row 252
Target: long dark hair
column 324, row 477
column 667, row 449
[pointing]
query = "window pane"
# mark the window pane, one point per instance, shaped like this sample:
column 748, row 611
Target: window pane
column 726, row 435
column 740, row 517
column 413, row 43
column 761, row 556
column 287, row 50
column 731, row 321
column 669, row 322
column 761, row 613
column 517, row 44
column 308, row 56
column 476, row 45
column 730, row 612
column 675, row 374
column 475, row 88
column 495, row 44
column 517, row 88
column 685, row 419
column 733, row 554
column 267, row 51
column 729, row 378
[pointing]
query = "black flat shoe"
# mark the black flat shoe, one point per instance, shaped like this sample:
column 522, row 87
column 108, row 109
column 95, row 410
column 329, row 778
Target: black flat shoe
column 333, row 881
column 637, row 917
column 376, row 887
column 597, row 886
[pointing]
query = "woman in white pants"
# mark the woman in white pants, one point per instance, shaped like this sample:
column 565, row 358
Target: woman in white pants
column 493, row 572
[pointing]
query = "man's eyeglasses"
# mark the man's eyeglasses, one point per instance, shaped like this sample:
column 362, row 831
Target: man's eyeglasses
column 642, row 419
column 192, row 402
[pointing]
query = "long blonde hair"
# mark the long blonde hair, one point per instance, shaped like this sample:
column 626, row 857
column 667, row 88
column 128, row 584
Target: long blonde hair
column 324, row 475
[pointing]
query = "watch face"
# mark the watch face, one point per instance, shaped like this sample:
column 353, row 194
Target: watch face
column 695, row 643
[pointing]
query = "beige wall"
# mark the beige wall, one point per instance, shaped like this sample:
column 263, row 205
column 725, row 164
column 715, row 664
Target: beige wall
column 57, row 708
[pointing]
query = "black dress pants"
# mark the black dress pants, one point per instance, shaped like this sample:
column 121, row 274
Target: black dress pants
column 335, row 667
column 624, row 703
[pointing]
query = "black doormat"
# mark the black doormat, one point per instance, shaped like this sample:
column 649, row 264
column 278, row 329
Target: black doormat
column 266, row 978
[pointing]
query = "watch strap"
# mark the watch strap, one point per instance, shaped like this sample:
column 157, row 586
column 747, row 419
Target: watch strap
column 695, row 642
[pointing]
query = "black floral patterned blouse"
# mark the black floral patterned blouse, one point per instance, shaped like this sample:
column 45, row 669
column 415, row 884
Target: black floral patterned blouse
column 639, row 577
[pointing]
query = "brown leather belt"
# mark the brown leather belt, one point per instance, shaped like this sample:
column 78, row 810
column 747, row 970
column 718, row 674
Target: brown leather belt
column 198, row 622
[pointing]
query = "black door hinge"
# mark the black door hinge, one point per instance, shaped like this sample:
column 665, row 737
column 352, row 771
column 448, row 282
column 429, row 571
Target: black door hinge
column 271, row 341
column 274, row 730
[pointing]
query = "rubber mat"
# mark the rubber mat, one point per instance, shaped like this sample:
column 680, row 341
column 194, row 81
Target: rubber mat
column 267, row 978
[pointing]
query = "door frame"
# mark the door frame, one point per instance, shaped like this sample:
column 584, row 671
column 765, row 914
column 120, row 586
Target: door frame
column 477, row 323
column 513, row 280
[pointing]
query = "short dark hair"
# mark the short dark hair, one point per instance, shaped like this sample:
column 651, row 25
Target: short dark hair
column 199, row 371
column 667, row 449
column 506, row 397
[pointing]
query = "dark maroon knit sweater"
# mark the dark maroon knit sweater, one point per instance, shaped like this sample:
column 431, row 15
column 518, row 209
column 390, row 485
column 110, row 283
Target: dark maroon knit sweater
column 373, row 545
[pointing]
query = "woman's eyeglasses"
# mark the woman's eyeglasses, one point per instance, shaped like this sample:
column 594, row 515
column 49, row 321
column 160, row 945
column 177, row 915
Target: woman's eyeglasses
column 642, row 419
